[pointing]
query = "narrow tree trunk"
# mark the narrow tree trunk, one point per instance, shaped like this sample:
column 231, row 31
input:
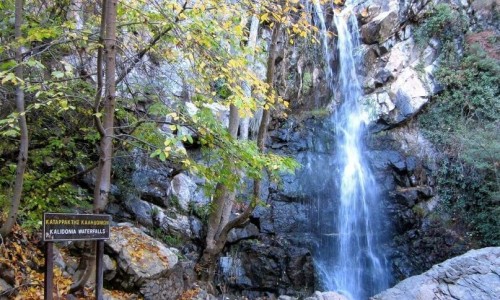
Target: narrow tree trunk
column 23, row 127
column 252, row 41
column 219, row 224
column 103, row 185
column 105, row 128
column 223, row 204
column 266, row 114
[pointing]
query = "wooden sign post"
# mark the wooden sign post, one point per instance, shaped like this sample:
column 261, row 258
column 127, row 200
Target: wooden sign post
column 74, row 227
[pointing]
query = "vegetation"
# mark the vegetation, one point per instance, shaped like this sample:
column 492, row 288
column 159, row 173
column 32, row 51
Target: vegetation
column 464, row 121
column 443, row 23
column 106, row 77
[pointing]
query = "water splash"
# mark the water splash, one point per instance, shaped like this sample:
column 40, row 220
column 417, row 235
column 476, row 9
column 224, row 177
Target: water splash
column 348, row 256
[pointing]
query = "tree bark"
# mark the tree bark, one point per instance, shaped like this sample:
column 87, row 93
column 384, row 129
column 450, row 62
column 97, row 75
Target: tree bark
column 223, row 204
column 219, row 223
column 105, row 128
column 23, row 127
column 252, row 41
column 103, row 184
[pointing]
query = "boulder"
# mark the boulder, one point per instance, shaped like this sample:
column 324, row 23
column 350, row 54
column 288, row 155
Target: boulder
column 380, row 28
column 249, row 231
column 172, row 285
column 409, row 94
column 384, row 103
column 109, row 267
column 472, row 276
column 142, row 211
column 183, row 188
column 326, row 296
column 151, row 185
column 178, row 225
column 401, row 55
column 139, row 256
column 270, row 266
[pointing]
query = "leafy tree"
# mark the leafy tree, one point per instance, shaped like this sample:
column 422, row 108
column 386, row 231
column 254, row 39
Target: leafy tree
column 171, row 56
column 23, row 127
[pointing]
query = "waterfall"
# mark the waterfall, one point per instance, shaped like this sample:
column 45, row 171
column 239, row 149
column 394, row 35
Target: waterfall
column 348, row 255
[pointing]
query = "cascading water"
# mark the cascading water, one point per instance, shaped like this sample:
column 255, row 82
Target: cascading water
column 348, row 255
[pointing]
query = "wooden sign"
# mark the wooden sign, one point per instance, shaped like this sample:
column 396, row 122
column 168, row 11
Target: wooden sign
column 74, row 227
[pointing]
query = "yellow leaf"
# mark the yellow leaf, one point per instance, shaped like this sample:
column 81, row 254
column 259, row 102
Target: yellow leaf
column 264, row 17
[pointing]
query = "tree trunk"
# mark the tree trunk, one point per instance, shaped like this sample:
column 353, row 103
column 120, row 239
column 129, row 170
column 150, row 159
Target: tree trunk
column 252, row 41
column 219, row 217
column 103, row 184
column 105, row 128
column 23, row 127
column 219, row 223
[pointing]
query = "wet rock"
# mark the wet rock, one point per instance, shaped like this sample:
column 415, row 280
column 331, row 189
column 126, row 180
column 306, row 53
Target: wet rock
column 474, row 275
column 139, row 256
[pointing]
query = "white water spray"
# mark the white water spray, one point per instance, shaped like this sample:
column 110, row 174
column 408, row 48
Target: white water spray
column 354, row 264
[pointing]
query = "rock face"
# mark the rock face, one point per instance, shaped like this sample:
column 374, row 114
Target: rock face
column 271, row 265
column 472, row 276
column 380, row 28
column 170, row 287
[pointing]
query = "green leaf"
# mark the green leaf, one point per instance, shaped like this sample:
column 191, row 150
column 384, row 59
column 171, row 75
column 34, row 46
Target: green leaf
column 58, row 74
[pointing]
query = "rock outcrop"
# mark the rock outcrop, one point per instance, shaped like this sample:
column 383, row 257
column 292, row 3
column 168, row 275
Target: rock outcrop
column 472, row 276
column 139, row 256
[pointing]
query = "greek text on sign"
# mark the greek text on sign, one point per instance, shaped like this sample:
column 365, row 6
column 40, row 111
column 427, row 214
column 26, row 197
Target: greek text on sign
column 71, row 227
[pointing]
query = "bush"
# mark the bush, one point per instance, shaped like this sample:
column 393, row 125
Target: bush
column 442, row 22
column 463, row 122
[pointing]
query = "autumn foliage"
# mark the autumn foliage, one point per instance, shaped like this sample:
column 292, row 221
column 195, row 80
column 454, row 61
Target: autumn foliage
column 22, row 267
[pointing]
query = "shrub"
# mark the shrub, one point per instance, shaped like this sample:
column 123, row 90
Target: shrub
column 442, row 22
column 463, row 121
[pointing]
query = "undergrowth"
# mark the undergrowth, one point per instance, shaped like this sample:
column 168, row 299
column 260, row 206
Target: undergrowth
column 463, row 122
